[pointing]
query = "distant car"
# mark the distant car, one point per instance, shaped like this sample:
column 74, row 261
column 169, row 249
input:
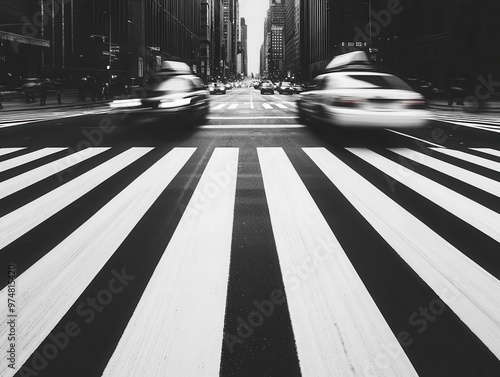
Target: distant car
column 177, row 95
column 298, row 88
column 355, row 95
column 285, row 87
column 217, row 87
column 267, row 87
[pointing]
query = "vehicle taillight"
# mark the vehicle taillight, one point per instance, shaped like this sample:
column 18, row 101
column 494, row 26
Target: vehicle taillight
column 414, row 103
column 346, row 102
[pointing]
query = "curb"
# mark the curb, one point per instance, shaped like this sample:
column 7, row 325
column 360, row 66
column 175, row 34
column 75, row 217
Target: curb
column 78, row 104
column 495, row 110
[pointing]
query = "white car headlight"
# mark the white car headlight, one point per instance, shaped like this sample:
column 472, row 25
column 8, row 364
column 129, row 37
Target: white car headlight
column 166, row 104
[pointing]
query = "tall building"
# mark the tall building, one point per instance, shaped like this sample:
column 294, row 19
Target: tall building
column 217, row 40
column 292, row 39
column 104, row 38
column 24, row 40
column 314, row 37
column 276, row 33
column 244, row 47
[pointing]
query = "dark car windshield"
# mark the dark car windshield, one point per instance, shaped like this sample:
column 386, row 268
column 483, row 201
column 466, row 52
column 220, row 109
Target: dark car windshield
column 365, row 82
column 267, row 84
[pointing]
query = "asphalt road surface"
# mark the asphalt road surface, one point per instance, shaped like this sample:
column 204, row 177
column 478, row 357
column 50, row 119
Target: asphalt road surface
column 252, row 245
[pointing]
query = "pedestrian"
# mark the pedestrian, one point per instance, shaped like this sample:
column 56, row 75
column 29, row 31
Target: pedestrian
column 457, row 92
column 58, row 89
column 42, row 91
column 82, row 88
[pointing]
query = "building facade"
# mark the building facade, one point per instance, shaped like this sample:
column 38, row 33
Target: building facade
column 108, row 38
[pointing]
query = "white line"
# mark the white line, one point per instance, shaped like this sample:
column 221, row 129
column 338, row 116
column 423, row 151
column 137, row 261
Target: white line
column 476, row 160
column 415, row 138
column 22, row 220
column 337, row 326
column 246, row 118
column 53, row 284
column 464, row 175
column 4, row 151
column 473, row 213
column 233, row 106
column 490, row 151
column 290, row 103
column 251, row 100
column 28, row 178
column 219, row 106
column 470, row 125
column 29, row 157
column 177, row 327
column 5, row 125
column 249, row 126
column 281, row 106
column 470, row 291
column 267, row 106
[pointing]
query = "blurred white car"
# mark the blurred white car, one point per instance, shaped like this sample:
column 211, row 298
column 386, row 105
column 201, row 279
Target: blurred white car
column 354, row 95
column 175, row 96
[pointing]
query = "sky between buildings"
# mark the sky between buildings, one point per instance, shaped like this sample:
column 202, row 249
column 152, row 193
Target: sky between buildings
column 254, row 12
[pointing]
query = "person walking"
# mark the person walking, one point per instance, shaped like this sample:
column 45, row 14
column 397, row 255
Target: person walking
column 42, row 91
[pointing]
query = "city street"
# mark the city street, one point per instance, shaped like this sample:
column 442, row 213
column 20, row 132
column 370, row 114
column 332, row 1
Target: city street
column 251, row 245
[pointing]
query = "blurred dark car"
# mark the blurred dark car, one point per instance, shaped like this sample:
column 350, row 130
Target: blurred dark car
column 285, row 87
column 177, row 95
column 217, row 87
column 267, row 87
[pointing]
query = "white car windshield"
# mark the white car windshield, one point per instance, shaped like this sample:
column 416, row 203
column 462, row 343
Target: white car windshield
column 356, row 81
column 175, row 84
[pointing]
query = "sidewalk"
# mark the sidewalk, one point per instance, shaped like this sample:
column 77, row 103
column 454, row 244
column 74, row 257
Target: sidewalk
column 491, row 106
column 13, row 101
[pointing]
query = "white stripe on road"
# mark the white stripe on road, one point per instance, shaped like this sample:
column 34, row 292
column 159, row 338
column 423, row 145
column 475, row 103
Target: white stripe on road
column 247, row 126
column 414, row 138
column 219, row 106
column 476, row 160
column 53, row 284
column 472, row 125
column 233, row 106
column 16, row 223
column 5, row 125
column 267, row 106
column 245, row 118
column 337, row 326
column 4, row 151
column 28, row 178
column 473, row 213
column 177, row 327
column 29, row 157
column 470, row 291
column 464, row 175
column 281, row 106
column 490, row 151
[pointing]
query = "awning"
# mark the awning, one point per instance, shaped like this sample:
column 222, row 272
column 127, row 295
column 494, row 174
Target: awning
column 23, row 39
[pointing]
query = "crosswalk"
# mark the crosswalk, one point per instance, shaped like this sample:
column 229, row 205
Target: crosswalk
column 288, row 105
column 126, row 260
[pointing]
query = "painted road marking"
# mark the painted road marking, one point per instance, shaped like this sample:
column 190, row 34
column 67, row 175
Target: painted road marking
column 177, row 327
column 337, row 326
